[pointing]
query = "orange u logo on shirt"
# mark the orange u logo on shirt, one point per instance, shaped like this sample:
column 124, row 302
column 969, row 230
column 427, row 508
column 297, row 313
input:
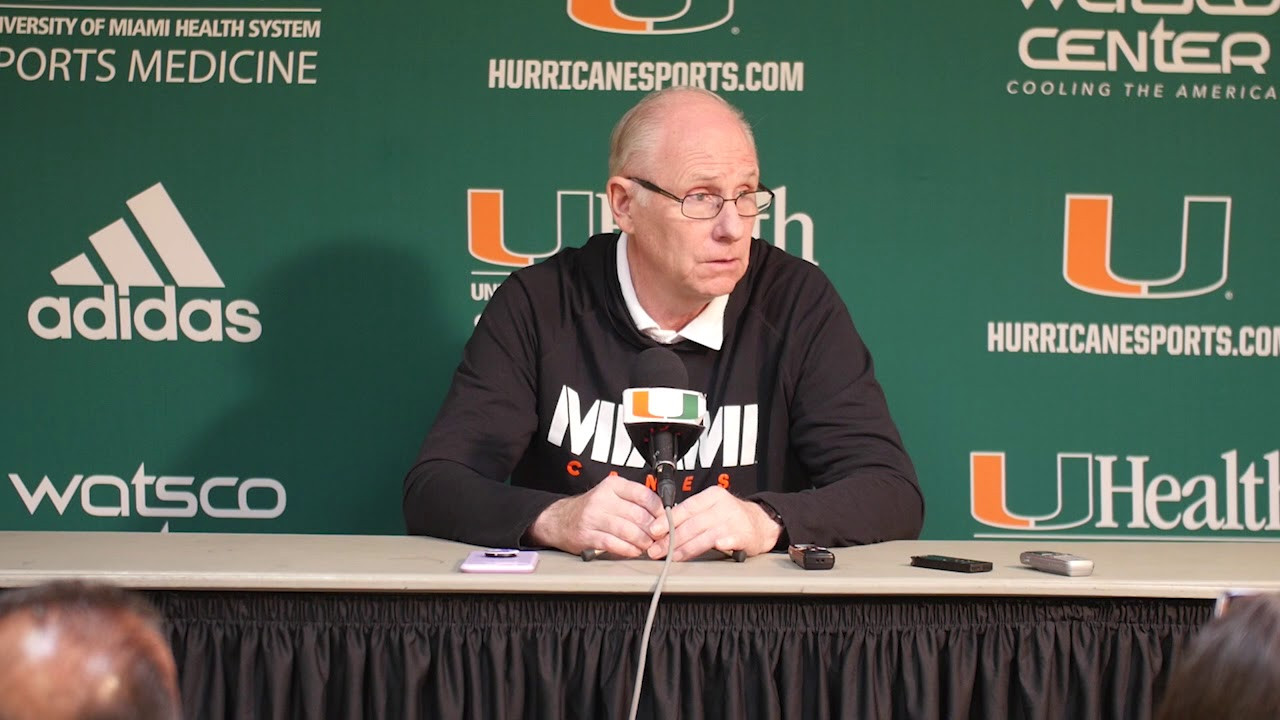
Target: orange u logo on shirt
column 687, row 402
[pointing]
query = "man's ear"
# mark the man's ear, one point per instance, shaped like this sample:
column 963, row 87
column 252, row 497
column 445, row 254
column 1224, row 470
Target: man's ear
column 621, row 202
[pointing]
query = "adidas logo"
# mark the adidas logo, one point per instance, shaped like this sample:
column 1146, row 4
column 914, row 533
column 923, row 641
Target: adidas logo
column 157, row 317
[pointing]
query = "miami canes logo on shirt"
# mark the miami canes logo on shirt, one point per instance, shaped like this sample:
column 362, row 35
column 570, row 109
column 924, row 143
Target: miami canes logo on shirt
column 657, row 404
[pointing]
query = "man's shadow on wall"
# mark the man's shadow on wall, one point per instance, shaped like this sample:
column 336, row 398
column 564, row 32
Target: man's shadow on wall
column 355, row 356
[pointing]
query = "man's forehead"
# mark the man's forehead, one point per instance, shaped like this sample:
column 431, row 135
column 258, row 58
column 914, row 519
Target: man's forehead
column 710, row 164
column 699, row 141
column 704, row 174
column 712, row 151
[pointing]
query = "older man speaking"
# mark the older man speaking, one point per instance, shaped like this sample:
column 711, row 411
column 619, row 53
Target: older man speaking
column 529, row 447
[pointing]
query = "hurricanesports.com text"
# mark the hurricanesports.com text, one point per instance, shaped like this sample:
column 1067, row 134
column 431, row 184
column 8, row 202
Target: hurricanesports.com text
column 644, row 75
column 1132, row 339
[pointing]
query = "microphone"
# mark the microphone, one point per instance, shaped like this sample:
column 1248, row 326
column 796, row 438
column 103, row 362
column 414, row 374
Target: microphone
column 663, row 417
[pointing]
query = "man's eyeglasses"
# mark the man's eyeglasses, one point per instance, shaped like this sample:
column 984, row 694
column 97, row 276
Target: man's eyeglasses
column 704, row 206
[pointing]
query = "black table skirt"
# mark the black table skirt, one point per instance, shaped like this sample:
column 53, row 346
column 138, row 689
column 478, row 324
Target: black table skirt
column 319, row 655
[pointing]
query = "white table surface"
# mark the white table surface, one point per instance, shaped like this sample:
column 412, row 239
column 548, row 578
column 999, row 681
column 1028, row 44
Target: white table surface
column 359, row 563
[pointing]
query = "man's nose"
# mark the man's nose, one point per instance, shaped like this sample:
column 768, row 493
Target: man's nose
column 729, row 224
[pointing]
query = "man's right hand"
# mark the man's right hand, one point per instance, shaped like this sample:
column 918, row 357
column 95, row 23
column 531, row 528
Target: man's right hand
column 614, row 517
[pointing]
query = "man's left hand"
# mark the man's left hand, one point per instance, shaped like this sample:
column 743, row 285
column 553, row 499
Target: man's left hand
column 715, row 519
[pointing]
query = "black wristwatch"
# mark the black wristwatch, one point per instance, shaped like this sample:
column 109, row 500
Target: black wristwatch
column 775, row 516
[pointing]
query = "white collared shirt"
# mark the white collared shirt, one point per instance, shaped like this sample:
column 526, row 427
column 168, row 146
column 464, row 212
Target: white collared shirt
column 706, row 329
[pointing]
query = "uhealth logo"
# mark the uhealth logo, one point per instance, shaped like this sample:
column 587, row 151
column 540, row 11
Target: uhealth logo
column 157, row 317
column 989, row 507
column 1093, row 493
column 695, row 16
column 1087, row 238
column 583, row 213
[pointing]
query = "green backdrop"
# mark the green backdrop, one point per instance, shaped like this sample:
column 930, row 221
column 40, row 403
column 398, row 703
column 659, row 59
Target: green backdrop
column 243, row 246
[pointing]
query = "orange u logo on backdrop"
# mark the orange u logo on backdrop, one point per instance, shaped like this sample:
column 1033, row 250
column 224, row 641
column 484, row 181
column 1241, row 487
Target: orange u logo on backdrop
column 695, row 16
column 989, row 506
column 485, row 233
column 1086, row 254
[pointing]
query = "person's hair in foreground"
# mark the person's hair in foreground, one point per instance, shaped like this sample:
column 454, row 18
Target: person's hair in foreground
column 72, row 650
column 1231, row 668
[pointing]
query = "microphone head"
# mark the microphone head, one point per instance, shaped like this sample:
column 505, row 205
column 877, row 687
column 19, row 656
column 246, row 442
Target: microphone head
column 659, row 367
column 658, row 402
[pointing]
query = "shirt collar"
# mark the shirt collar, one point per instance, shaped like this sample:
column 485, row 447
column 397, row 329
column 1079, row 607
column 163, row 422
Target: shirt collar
column 707, row 329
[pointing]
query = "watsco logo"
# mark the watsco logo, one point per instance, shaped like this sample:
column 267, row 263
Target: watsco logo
column 115, row 315
column 695, row 16
column 1087, row 237
column 1092, row 493
column 1179, row 7
column 162, row 496
column 1180, row 40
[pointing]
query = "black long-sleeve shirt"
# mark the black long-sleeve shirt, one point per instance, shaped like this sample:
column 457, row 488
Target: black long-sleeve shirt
column 796, row 417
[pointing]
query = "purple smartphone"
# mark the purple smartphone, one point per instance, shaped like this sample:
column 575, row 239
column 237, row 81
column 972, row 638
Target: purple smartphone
column 501, row 560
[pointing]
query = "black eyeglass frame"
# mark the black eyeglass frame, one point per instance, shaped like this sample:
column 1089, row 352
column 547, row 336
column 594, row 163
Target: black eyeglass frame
column 723, row 200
